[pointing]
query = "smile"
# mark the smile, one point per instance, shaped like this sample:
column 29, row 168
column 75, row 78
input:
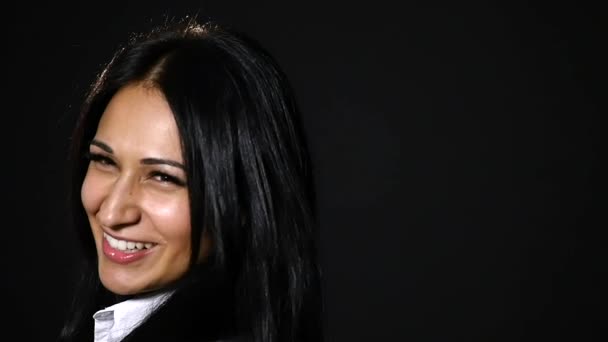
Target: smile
column 126, row 245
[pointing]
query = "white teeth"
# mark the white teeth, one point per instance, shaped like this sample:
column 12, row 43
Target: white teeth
column 127, row 246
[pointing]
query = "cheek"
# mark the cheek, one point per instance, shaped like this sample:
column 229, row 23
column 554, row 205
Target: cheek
column 96, row 187
column 172, row 219
column 91, row 193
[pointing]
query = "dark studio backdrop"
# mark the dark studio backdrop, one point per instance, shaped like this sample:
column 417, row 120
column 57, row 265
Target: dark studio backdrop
column 455, row 145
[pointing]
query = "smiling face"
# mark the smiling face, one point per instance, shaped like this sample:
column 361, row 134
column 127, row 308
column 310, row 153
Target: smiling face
column 135, row 194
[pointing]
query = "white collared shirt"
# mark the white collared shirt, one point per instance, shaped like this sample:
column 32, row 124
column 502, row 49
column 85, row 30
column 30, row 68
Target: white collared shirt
column 115, row 322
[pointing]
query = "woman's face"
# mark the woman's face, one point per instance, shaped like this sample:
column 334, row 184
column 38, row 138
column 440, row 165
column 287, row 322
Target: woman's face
column 135, row 194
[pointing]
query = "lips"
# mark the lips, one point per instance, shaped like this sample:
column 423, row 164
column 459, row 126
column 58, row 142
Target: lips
column 127, row 245
column 116, row 251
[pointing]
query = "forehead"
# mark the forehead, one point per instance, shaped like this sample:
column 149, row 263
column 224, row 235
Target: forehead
column 138, row 119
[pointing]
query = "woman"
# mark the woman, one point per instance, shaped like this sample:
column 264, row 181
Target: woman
column 193, row 196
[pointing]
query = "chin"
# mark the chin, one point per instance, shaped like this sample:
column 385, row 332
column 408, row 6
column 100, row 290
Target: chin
column 120, row 285
column 117, row 287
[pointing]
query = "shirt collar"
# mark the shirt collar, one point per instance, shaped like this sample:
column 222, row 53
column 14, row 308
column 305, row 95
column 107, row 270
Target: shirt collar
column 118, row 320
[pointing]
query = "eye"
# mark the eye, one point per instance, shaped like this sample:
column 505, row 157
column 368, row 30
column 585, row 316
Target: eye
column 165, row 178
column 99, row 159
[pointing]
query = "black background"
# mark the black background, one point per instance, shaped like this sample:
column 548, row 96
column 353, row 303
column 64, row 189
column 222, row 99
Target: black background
column 455, row 148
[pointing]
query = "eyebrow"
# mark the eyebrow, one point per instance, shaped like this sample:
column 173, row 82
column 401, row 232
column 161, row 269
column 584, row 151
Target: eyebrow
column 156, row 161
column 145, row 161
column 102, row 146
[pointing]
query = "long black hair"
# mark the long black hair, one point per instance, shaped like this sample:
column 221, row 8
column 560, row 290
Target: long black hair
column 250, row 184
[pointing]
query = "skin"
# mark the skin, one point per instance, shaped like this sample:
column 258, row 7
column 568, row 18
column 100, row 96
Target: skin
column 132, row 195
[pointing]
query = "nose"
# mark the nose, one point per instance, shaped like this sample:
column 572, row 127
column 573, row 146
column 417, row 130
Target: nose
column 120, row 208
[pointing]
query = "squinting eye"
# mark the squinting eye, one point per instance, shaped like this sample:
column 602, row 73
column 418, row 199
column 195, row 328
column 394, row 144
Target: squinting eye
column 99, row 159
column 165, row 178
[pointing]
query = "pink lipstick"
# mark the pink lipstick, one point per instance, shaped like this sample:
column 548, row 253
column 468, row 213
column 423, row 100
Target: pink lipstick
column 122, row 257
